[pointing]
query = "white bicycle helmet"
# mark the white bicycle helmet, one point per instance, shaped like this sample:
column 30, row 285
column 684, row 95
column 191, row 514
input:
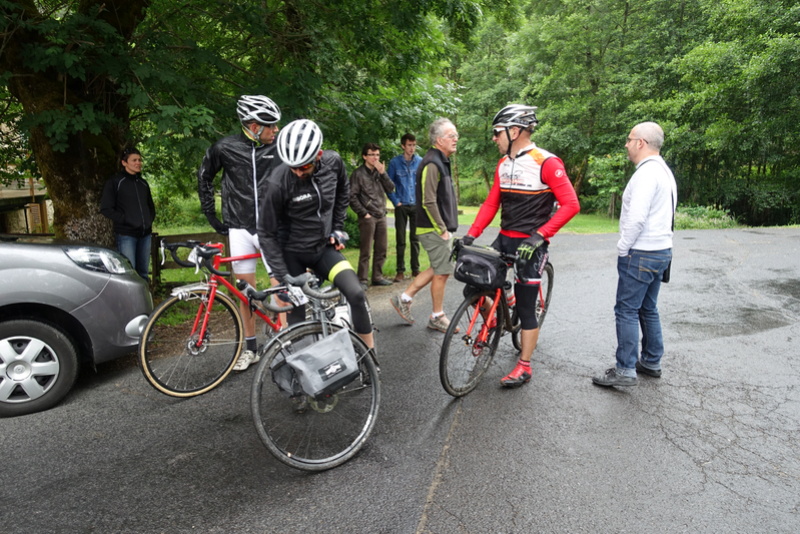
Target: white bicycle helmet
column 299, row 142
column 516, row 115
column 257, row 108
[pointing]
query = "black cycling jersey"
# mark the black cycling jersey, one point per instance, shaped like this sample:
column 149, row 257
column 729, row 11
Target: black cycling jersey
column 246, row 166
column 299, row 214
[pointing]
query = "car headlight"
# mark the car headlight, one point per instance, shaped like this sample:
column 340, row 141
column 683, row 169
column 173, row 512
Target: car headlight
column 97, row 259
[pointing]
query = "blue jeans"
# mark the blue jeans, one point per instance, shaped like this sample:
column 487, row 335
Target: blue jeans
column 137, row 250
column 637, row 292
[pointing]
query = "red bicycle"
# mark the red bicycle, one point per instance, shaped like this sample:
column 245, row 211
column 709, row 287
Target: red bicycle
column 471, row 340
column 193, row 339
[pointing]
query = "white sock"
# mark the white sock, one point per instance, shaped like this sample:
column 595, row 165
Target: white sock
column 405, row 298
column 434, row 315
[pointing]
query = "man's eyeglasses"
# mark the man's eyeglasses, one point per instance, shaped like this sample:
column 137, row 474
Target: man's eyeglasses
column 629, row 139
column 497, row 133
column 452, row 136
column 378, row 154
column 304, row 168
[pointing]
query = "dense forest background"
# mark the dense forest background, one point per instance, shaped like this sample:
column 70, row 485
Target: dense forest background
column 81, row 79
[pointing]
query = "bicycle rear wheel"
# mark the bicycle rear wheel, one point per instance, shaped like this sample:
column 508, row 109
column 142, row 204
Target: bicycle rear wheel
column 467, row 353
column 308, row 434
column 545, row 292
column 172, row 356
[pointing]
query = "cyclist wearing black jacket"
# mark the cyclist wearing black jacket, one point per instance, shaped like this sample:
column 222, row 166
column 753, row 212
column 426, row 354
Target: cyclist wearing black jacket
column 301, row 224
column 246, row 159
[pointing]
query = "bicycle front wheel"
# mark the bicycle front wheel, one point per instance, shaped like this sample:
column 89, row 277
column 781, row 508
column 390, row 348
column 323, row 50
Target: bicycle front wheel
column 176, row 357
column 468, row 351
column 309, row 434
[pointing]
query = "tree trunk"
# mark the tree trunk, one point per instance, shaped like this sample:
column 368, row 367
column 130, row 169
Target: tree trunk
column 75, row 166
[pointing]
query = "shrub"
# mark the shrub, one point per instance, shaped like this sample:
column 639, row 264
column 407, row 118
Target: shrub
column 176, row 211
column 472, row 193
column 703, row 217
column 351, row 227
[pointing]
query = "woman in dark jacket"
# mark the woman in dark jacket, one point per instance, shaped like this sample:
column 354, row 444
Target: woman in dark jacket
column 127, row 201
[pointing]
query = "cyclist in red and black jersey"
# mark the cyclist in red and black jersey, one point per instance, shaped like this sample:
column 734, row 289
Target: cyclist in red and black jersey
column 527, row 181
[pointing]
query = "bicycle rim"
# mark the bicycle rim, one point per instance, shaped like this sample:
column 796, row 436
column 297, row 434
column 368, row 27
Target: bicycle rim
column 545, row 292
column 175, row 360
column 307, row 434
column 465, row 354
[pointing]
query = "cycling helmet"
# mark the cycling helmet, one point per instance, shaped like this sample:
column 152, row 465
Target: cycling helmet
column 257, row 108
column 299, row 142
column 516, row 115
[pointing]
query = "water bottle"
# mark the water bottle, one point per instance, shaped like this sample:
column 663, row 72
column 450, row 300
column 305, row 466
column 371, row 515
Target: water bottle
column 509, row 287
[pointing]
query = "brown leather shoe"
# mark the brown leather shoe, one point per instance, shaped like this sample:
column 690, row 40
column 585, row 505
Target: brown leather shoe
column 414, row 273
column 399, row 277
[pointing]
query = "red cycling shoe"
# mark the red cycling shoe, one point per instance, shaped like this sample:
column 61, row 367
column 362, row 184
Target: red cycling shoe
column 519, row 376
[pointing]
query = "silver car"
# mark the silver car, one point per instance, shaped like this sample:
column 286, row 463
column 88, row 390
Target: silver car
column 62, row 306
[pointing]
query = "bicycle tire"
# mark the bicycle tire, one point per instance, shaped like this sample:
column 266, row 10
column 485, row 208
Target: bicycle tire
column 463, row 361
column 314, row 435
column 515, row 329
column 546, row 291
column 168, row 355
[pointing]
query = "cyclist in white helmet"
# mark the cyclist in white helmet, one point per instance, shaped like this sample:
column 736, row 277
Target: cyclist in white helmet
column 527, row 181
column 246, row 159
column 302, row 219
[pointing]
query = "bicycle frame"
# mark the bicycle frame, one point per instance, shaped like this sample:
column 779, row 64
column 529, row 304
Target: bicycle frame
column 499, row 295
column 204, row 311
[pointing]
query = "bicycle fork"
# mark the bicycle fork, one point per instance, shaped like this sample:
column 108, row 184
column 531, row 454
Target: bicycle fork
column 198, row 339
column 482, row 338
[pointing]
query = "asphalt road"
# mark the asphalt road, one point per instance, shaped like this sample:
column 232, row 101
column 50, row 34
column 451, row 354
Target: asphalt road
column 712, row 446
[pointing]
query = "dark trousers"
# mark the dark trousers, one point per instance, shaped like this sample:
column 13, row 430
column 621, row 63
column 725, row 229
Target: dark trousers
column 405, row 215
column 373, row 230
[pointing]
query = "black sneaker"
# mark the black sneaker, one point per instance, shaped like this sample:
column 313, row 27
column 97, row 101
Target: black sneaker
column 655, row 373
column 611, row 378
column 382, row 282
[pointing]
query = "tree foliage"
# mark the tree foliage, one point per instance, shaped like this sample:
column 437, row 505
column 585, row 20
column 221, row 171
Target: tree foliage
column 86, row 78
column 717, row 75
column 80, row 80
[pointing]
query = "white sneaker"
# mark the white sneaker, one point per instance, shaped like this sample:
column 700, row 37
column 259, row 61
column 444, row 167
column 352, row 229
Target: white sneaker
column 246, row 359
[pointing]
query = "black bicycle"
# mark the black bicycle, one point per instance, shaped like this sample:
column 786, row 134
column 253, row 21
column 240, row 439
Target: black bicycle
column 484, row 316
column 321, row 430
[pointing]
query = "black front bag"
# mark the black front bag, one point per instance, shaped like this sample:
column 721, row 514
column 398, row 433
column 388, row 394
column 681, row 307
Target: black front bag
column 480, row 267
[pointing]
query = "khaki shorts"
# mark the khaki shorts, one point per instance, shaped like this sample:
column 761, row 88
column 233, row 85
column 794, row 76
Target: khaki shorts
column 438, row 251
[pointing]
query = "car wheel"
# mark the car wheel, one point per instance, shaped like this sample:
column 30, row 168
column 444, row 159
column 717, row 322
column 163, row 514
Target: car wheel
column 38, row 366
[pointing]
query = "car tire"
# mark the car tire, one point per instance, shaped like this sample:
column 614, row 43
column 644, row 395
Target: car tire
column 38, row 366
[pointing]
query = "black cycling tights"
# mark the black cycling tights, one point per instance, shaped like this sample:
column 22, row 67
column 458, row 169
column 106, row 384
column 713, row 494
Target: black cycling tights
column 322, row 262
column 526, row 305
column 347, row 282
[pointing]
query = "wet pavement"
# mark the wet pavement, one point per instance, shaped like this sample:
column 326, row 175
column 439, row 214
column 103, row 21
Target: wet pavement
column 712, row 446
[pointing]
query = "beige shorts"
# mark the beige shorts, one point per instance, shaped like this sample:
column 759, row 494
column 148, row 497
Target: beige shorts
column 439, row 251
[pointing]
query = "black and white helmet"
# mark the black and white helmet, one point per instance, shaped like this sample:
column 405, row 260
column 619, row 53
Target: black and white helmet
column 516, row 115
column 257, row 108
column 299, row 142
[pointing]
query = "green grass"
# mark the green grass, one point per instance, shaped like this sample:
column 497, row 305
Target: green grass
column 581, row 224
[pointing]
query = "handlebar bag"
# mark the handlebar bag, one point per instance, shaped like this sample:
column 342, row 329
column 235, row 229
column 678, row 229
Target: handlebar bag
column 325, row 366
column 480, row 267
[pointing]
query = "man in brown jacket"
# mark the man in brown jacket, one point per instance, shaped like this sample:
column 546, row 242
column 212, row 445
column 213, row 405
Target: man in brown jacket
column 368, row 185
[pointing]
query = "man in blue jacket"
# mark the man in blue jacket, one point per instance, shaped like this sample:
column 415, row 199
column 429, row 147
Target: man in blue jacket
column 403, row 172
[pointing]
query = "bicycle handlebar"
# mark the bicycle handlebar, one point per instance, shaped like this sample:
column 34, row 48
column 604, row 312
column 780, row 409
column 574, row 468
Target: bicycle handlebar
column 203, row 250
column 303, row 281
column 509, row 258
